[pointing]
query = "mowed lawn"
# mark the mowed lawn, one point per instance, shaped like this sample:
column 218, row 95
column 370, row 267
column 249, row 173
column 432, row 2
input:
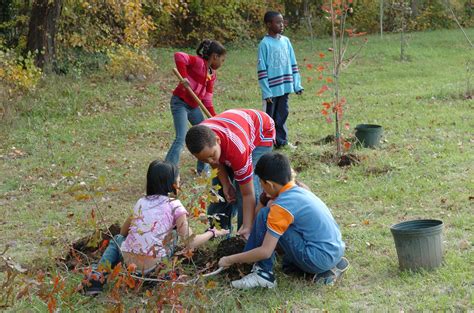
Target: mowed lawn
column 92, row 129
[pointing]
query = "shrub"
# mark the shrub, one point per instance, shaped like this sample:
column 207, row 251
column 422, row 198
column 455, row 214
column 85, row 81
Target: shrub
column 18, row 74
column 130, row 64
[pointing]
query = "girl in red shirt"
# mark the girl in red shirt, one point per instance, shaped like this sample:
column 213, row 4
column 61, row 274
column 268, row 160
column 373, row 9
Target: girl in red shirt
column 199, row 73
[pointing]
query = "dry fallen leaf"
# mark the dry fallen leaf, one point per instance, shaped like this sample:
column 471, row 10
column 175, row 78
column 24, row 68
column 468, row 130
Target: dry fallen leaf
column 464, row 244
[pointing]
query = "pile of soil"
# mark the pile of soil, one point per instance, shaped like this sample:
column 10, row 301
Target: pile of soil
column 89, row 249
column 231, row 246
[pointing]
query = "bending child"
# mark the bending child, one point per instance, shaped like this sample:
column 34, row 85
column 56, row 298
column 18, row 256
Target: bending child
column 146, row 237
column 299, row 222
column 199, row 73
column 232, row 142
column 278, row 75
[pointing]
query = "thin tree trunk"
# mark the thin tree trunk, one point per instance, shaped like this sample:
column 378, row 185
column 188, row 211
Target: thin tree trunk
column 42, row 30
column 381, row 18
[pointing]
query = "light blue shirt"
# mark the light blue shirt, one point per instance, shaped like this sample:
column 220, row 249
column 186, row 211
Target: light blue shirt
column 277, row 68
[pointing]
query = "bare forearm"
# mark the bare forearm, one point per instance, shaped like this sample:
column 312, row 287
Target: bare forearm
column 248, row 208
column 200, row 239
column 126, row 227
column 223, row 176
column 251, row 256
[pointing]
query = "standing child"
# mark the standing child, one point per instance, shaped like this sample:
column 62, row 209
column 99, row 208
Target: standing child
column 199, row 73
column 278, row 75
column 146, row 237
column 299, row 222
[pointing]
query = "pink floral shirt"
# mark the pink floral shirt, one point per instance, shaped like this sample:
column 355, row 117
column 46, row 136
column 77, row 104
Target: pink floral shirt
column 154, row 217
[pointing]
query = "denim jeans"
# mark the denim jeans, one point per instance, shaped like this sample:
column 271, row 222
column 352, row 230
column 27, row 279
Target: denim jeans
column 182, row 113
column 278, row 111
column 292, row 243
column 112, row 255
column 225, row 210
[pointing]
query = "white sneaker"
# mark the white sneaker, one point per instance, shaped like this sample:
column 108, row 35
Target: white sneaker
column 257, row 278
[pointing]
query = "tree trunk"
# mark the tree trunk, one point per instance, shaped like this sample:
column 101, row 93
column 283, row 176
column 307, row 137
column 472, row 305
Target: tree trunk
column 42, row 30
column 414, row 8
column 381, row 18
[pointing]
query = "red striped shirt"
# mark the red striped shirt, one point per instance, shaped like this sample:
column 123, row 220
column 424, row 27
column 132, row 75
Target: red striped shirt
column 241, row 131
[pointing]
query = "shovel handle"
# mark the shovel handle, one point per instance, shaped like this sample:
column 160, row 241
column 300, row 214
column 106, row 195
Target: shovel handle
column 220, row 269
column 191, row 92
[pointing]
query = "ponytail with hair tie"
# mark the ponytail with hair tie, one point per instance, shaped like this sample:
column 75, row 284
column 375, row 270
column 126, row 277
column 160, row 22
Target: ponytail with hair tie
column 207, row 47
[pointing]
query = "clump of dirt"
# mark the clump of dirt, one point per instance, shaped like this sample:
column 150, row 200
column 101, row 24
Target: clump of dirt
column 326, row 140
column 231, row 246
column 88, row 249
column 348, row 160
column 345, row 160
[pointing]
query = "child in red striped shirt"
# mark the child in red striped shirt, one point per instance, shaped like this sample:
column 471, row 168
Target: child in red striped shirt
column 233, row 142
column 199, row 73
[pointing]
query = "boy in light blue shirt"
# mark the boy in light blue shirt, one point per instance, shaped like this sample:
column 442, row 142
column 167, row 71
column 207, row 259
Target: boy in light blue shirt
column 299, row 222
column 278, row 75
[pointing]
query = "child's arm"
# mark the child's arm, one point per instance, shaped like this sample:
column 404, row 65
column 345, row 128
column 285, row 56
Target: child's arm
column 126, row 227
column 183, row 60
column 207, row 100
column 296, row 73
column 262, row 72
column 261, row 253
column 185, row 231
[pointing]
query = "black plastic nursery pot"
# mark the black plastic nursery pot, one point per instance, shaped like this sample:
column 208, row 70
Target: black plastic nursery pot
column 368, row 134
column 419, row 244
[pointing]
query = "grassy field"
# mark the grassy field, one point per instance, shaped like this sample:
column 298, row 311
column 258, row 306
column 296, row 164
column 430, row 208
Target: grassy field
column 77, row 129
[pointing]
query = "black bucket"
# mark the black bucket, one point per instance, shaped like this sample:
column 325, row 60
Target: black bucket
column 419, row 244
column 368, row 134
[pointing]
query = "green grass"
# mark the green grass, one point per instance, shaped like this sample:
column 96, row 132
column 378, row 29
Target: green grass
column 93, row 126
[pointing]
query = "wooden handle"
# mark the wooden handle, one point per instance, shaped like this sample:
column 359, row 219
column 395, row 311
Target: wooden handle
column 191, row 92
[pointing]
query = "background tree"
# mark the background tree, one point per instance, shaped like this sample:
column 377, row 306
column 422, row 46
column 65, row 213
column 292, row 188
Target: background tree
column 42, row 30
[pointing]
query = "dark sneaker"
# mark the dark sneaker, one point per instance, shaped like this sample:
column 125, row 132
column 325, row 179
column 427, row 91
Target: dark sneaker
column 334, row 275
column 93, row 284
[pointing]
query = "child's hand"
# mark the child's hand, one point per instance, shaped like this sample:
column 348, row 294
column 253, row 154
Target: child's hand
column 229, row 193
column 225, row 262
column 300, row 92
column 185, row 82
column 244, row 232
column 269, row 100
column 220, row 232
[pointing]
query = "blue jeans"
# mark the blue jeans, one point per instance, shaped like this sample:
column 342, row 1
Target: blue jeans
column 112, row 255
column 226, row 210
column 292, row 243
column 278, row 111
column 182, row 113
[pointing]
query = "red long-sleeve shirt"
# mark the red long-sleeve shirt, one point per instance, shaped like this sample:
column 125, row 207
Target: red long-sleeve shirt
column 196, row 70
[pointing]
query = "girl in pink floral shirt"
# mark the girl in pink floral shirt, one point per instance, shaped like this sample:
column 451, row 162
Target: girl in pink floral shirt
column 146, row 237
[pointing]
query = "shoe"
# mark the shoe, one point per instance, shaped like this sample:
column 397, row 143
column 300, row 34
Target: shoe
column 93, row 284
column 256, row 278
column 291, row 146
column 287, row 145
column 334, row 275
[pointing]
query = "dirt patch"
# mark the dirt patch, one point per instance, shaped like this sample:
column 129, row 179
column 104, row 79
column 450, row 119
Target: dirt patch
column 348, row 160
column 345, row 160
column 89, row 248
column 231, row 246
column 326, row 140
